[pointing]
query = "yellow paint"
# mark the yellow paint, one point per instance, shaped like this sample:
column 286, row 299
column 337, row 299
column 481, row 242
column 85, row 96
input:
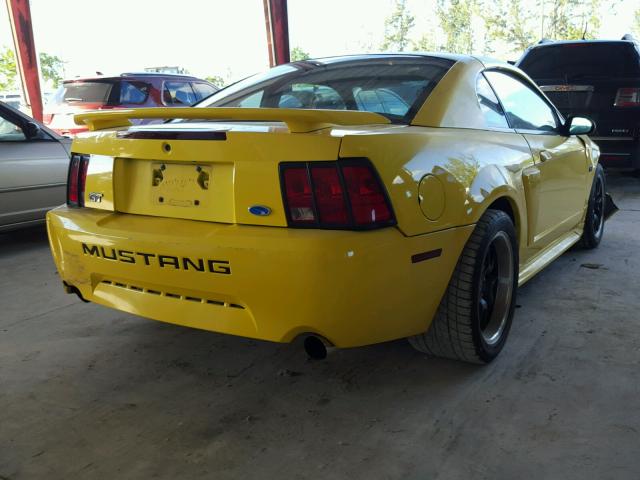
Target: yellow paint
column 354, row 288
column 432, row 197
column 297, row 120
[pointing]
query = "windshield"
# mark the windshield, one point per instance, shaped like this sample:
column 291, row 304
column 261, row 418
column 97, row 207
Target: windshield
column 573, row 61
column 393, row 86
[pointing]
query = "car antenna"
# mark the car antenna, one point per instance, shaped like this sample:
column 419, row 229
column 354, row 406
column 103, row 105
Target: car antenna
column 584, row 33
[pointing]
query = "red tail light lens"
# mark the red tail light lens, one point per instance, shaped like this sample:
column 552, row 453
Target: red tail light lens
column 368, row 200
column 299, row 197
column 347, row 194
column 329, row 195
column 76, row 180
column 627, row 97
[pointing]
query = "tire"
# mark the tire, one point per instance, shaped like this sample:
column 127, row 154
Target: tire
column 595, row 217
column 468, row 325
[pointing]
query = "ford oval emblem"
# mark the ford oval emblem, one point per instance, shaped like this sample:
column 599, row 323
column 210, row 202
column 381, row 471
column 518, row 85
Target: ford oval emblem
column 259, row 210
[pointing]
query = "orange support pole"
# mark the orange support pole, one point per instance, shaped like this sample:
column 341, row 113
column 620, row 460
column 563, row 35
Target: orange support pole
column 26, row 56
column 275, row 14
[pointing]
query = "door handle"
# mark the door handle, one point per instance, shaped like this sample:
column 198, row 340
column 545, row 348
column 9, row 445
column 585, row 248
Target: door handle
column 545, row 155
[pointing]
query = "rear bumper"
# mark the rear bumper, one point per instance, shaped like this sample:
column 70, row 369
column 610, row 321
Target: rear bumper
column 271, row 283
column 619, row 153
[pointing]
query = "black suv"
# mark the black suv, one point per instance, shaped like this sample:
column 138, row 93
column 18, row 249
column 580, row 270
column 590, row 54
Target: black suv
column 599, row 79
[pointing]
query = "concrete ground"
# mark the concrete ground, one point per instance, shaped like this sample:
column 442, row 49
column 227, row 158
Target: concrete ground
column 87, row 392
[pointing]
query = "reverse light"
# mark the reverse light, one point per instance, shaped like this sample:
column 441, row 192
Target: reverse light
column 627, row 97
column 76, row 180
column 346, row 194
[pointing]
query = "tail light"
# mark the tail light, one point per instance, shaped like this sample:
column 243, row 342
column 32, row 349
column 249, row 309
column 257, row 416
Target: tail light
column 46, row 118
column 627, row 97
column 76, row 180
column 347, row 194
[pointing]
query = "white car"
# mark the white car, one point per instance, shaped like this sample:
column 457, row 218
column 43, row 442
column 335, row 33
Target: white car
column 33, row 169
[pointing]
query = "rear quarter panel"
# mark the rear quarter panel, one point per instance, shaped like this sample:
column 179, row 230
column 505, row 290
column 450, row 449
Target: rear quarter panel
column 471, row 168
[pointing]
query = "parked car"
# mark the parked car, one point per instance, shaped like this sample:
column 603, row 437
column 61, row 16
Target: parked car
column 403, row 196
column 599, row 79
column 33, row 169
column 129, row 90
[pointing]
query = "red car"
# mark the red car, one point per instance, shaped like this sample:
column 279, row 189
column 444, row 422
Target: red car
column 129, row 90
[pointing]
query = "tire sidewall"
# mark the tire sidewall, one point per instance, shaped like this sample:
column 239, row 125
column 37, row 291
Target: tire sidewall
column 589, row 238
column 485, row 351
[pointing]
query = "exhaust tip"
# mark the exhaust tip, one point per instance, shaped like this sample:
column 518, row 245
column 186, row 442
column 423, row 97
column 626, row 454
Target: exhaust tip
column 74, row 290
column 315, row 348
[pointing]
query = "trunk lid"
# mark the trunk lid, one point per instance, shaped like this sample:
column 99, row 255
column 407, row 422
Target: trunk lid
column 207, row 171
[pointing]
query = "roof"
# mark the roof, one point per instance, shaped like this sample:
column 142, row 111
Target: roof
column 365, row 56
column 552, row 43
column 131, row 75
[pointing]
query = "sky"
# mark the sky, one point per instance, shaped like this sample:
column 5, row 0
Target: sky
column 220, row 37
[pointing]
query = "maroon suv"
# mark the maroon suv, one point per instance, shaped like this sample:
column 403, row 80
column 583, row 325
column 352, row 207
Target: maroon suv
column 129, row 90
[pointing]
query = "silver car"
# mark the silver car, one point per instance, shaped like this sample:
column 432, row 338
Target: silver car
column 33, row 169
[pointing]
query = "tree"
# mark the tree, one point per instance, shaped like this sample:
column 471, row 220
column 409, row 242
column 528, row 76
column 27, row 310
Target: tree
column 298, row 54
column 8, row 69
column 426, row 43
column 511, row 22
column 570, row 19
column 635, row 28
column 456, row 22
column 216, row 80
column 397, row 27
column 52, row 68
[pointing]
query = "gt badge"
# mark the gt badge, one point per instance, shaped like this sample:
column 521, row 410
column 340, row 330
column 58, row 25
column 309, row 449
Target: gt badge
column 95, row 197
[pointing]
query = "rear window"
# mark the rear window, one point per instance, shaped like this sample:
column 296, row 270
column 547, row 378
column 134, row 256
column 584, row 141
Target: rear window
column 395, row 87
column 582, row 60
column 82, row 92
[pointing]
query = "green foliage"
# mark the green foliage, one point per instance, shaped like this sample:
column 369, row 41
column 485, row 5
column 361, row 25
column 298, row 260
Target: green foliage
column 511, row 22
column 456, row 22
column 570, row 19
column 216, row 80
column 426, row 43
column 397, row 27
column 514, row 24
column 635, row 28
column 52, row 68
column 298, row 54
column 8, row 70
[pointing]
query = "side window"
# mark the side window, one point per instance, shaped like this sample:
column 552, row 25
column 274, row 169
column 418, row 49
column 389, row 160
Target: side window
column 178, row 93
column 203, row 90
column 525, row 109
column 133, row 92
column 493, row 114
column 304, row 95
column 252, row 101
column 10, row 132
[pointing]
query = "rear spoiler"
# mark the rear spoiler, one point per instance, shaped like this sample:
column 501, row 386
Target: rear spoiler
column 297, row 120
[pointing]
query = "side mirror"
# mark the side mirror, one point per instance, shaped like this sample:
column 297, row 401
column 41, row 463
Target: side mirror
column 31, row 130
column 579, row 126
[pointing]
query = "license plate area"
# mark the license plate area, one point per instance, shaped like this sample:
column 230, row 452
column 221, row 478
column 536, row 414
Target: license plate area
column 180, row 185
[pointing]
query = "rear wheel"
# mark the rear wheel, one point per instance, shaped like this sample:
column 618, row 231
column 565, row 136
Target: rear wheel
column 474, row 317
column 594, row 219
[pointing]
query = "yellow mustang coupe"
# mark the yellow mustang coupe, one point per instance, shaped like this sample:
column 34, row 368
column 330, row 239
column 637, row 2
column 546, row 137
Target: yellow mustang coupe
column 348, row 201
